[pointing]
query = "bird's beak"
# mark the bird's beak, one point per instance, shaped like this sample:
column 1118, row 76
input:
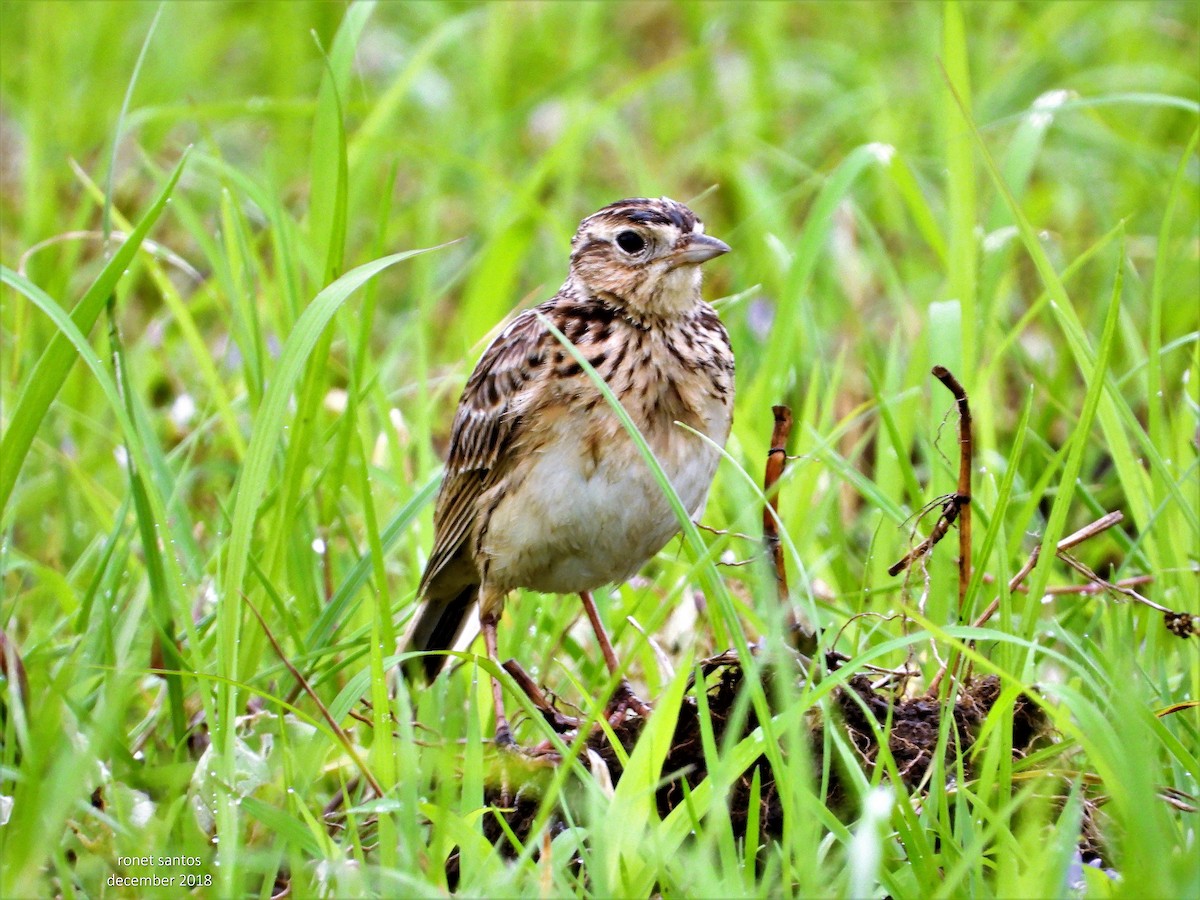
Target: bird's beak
column 699, row 248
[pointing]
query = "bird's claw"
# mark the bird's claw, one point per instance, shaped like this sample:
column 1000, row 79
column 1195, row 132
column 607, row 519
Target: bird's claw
column 625, row 700
column 541, row 754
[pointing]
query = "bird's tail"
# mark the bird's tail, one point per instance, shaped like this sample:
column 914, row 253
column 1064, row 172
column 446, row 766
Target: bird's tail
column 437, row 627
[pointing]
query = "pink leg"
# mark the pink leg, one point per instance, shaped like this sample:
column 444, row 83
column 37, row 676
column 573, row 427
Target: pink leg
column 504, row 735
column 624, row 698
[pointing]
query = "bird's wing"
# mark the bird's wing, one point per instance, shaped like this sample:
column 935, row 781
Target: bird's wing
column 489, row 415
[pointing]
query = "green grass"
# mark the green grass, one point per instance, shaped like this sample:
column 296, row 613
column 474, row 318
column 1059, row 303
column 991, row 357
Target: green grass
column 342, row 204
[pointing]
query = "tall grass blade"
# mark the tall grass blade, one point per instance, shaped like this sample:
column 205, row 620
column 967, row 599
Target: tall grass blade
column 51, row 369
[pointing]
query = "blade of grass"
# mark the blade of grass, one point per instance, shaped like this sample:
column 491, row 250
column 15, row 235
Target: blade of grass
column 269, row 426
column 149, row 505
column 179, row 522
column 55, row 362
column 998, row 512
column 1080, row 440
column 713, row 585
column 1154, row 381
column 327, row 222
column 635, row 794
column 251, row 485
column 794, row 312
column 339, row 606
column 330, row 172
column 383, row 638
column 201, row 354
column 119, row 129
column 1114, row 411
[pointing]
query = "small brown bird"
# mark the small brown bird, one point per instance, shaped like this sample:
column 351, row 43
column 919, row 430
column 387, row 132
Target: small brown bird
column 544, row 489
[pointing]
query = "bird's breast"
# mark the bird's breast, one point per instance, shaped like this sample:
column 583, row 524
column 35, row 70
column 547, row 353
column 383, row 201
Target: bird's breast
column 586, row 508
column 580, row 506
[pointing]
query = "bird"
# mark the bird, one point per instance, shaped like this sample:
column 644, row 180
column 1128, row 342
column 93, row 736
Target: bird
column 543, row 488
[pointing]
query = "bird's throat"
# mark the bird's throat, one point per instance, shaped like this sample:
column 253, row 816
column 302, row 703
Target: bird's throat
column 679, row 290
column 669, row 295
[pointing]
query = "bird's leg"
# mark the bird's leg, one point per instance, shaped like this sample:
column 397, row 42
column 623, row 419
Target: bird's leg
column 504, row 741
column 504, row 735
column 624, row 698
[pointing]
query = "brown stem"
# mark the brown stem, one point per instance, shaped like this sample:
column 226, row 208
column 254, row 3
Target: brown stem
column 966, row 453
column 330, row 720
column 802, row 638
column 14, row 669
column 1105, row 522
column 950, row 512
column 1060, row 589
column 956, row 506
column 776, row 462
column 1106, row 585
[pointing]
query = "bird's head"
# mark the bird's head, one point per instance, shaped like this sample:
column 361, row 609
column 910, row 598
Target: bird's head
column 644, row 255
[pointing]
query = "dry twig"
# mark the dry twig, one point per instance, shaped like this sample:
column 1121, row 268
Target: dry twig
column 1090, row 530
column 776, row 462
column 329, row 719
column 802, row 638
column 956, row 506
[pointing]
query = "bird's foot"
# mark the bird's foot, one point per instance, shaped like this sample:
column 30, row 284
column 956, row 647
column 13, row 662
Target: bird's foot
column 542, row 754
column 504, row 739
column 624, row 700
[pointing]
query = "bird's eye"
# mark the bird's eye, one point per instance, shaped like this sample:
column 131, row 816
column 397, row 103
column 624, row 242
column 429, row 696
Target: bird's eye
column 630, row 241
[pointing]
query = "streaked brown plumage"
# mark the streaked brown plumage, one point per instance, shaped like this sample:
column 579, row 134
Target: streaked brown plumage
column 543, row 488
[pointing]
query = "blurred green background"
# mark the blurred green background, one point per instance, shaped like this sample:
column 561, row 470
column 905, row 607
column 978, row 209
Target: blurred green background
column 820, row 140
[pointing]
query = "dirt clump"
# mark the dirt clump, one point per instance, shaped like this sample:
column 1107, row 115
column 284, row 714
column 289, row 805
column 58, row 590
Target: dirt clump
column 862, row 710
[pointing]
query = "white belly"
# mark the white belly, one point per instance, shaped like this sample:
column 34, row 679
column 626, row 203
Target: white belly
column 574, row 524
